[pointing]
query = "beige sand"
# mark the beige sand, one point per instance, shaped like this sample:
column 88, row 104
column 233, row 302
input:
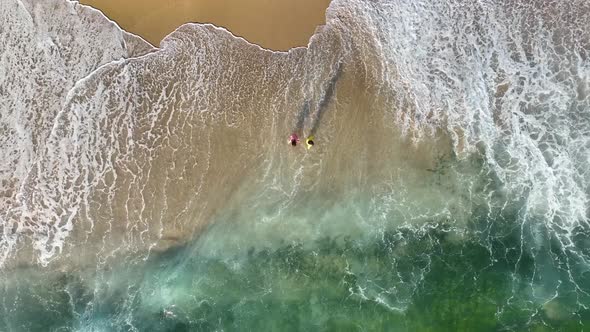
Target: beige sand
column 171, row 144
column 277, row 25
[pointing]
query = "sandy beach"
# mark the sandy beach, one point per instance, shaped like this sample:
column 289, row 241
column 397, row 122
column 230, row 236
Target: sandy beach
column 154, row 189
column 277, row 25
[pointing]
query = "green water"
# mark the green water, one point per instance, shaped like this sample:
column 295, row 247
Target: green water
column 330, row 265
column 448, row 189
column 429, row 279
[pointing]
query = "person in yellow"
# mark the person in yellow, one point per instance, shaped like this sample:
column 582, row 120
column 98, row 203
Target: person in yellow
column 309, row 141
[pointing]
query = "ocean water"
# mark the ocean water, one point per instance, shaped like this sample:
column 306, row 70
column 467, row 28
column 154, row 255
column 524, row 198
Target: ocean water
column 153, row 189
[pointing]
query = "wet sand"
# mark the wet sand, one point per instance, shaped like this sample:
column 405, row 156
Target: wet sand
column 172, row 146
column 277, row 25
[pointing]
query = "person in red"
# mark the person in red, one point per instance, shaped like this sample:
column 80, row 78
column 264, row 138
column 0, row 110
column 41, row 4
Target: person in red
column 294, row 139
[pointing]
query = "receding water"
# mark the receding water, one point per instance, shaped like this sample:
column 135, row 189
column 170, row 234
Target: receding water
column 153, row 189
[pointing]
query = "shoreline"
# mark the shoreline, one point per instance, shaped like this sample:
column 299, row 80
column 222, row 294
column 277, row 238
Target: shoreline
column 273, row 26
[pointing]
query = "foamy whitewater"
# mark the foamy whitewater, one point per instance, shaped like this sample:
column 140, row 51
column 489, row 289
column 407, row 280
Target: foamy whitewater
column 153, row 189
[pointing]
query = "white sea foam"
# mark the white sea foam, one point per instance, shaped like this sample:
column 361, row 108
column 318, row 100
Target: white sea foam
column 508, row 77
column 137, row 147
column 47, row 46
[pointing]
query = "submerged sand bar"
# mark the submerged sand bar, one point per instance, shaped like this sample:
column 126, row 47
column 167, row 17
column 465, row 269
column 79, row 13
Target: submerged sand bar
column 277, row 25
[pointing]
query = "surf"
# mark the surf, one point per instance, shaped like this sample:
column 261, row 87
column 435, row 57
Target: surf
column 157, row 190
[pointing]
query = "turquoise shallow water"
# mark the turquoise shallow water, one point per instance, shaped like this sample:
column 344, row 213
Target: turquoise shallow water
column 407, row 280
column 485, row 276
column 152, row 189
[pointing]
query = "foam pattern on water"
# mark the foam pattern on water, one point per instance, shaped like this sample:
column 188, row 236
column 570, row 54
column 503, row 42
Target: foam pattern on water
column 48, row 47
column 509, row 78
column 450, row 171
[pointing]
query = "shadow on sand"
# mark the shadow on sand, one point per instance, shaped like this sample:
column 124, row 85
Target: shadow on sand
column 322, row 105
